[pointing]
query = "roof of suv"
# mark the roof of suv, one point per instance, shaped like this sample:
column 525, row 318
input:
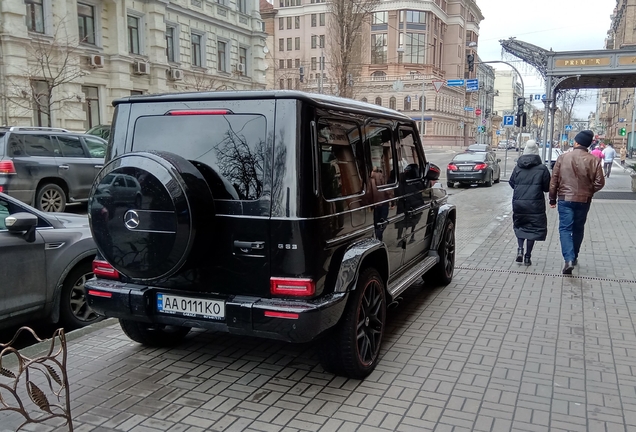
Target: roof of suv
column 325, row 101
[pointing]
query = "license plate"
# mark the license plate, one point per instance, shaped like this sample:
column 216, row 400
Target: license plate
column 191, row 307
column 465, row 168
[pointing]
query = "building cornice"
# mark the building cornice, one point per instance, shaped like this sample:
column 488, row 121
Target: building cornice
column 213, row 21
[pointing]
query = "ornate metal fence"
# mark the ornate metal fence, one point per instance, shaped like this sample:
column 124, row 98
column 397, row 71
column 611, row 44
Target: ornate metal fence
column 18, row 389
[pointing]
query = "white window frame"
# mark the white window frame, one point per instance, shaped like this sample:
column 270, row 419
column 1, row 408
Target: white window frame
column 97, row 10
column 142, row 31
column 176, row 42
column 204, row 41
column 248, row 60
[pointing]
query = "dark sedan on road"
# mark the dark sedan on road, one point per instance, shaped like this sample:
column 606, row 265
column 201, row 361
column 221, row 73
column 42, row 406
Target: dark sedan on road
column 473, row 167
column 45, row 258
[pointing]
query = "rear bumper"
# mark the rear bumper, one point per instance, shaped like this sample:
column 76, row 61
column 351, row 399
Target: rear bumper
column 243, row 315
column 26, row 196
column 467, row 177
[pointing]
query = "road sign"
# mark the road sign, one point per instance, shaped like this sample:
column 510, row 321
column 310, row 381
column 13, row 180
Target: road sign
column 564, row 137
column 481, row 129
column 483, row 121
column 509, row 121
column 468, row 108
column 438, row 85
column 543, row 97
column 455, row 83
column 472, row 85
column 568, row 127
column 498, row 132
column 478, row 111
column 537, row 97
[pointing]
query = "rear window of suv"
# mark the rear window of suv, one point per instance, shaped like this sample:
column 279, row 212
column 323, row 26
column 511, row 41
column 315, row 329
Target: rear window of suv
column 233, row 145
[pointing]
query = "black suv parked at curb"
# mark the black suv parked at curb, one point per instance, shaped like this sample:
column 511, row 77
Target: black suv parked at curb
column 274, row 214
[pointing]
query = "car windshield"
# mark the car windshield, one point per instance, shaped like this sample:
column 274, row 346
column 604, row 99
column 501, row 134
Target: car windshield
column 478, row 147
column 470, row 157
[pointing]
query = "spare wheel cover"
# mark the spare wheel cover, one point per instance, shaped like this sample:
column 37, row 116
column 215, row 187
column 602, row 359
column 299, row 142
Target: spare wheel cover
column 144, row 209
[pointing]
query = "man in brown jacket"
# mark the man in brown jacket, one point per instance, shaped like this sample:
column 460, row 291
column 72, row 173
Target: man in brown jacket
column 576, row 177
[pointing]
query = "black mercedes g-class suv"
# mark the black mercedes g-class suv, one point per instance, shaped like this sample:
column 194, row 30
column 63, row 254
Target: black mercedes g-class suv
column 274, row 214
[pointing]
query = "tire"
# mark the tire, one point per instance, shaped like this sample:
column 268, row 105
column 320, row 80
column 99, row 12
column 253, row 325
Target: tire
column 498, row 177
column 154, row 335
column 442, row 273
column 175, row 195
column 489, row 182
column 450, row 184
column 351, row 352
column 50, row 198
column 74, row 309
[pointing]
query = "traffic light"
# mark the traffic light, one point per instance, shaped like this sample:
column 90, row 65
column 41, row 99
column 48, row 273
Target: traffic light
column 520, row 120
column 302, row 73
column 350, row 80
column 520, row 104
column 471, row 62
column 622, row 132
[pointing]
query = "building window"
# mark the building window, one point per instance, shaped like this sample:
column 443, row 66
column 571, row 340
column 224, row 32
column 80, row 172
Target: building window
column 297, row 43
column 392, row 103
column 170, row 47
column 221, row 56
column 281, row 23
column 297, row 22
column 289, row 63
column 35, row 16
column 91, row 106
column 322, row 41
column 41, row 103
column 289, row 23
column 243, row 58
column 415, row 48
column 313, row 20
column 133, row 35
column 314, row 62
column 281, row 64
column 378, row 76
column 378, row 101
column 407, row 103
column 289, row 44
column 378, row 48
column 296, row 83
column 281, row 84
column 364, row 99
column 195, row 40
column 289, row 83
column 297, row 63
column 281, row 44
column 86, row 23
column 322, row 19
column 136, row 93
column 380, row 18
column 314, row 40
column 416, row 17
column 422, row 101
column 241, row 5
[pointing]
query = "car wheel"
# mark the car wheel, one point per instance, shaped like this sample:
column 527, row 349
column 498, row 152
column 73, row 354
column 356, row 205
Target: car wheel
column 50, row 198
column 450, row 184
column 488, row 183
column 442, row 273
column 498, row 177
column 354, row 348
column 155, row 335
column 74, row 309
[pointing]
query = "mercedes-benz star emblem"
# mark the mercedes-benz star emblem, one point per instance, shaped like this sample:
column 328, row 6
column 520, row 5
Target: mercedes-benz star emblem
column 131, row 219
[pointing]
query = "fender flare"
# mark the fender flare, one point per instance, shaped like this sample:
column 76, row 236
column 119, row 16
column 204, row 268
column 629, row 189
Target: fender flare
column 445, row 212
column 57, row 294
column 352, row 260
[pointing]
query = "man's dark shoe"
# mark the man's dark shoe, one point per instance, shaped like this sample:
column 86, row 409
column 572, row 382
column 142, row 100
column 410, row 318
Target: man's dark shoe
column 526, row 260
column 575, row 262
column 519, row 255
column 569, row 266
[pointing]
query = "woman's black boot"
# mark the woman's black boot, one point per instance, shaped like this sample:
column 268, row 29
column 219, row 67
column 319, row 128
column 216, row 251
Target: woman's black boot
column 526, row 260
column 519, row 255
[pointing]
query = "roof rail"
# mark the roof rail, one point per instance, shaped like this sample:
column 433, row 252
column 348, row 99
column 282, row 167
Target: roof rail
column 36, row 128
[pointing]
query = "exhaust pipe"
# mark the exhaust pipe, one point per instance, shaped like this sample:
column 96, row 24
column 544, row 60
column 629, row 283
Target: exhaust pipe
column 395, row 303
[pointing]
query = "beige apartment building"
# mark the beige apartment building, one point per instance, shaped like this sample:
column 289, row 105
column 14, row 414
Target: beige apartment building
column 406, row 48
column 64, row 61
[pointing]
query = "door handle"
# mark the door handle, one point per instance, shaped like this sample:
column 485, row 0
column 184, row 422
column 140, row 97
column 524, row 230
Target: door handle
column 257, row 245
column 64, row 167
column 99, row 166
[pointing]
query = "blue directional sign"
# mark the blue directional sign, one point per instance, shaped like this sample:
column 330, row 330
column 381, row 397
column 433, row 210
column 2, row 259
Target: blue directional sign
column 537, row 97
column 472, row 85
column 498, row 132
column 568, row 127
column 543, row 97
column 455, row 83
column 468, row 108
column 509, row 121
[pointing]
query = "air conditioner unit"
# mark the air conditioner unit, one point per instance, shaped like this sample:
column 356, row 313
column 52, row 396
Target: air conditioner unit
column 175, row 74
column 96, row 61
column 141, row 68
column 240, row 68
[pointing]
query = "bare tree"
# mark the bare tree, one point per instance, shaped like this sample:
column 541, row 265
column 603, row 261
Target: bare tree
column 568, row 99
column 345, row 41
column 201, row 81
column 52, row 64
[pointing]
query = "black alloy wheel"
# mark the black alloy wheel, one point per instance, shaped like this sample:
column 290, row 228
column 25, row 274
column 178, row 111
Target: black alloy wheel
column 442, row 273
column 74, row 309
column 488, row 183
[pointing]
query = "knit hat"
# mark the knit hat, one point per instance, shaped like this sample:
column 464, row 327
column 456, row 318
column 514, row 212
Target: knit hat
column 531, row 148
column 584, row 138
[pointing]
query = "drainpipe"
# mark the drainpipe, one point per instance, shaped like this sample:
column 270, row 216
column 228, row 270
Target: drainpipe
column 3, row 81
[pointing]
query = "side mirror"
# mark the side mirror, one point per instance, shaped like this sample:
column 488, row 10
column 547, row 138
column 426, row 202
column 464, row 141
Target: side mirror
column 432, row 172
column 23, row 223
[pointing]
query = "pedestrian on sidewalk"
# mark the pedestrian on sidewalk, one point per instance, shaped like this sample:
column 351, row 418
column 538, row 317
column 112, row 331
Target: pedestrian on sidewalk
column 623, row 155
column 597, row 152
column 576, row 177
column 530, row 180
column 608, row 157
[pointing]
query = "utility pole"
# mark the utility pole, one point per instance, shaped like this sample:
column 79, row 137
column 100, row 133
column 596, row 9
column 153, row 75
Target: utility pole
column 630, row 142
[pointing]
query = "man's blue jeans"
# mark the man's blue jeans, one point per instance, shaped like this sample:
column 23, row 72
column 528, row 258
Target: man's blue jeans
column 572, row 217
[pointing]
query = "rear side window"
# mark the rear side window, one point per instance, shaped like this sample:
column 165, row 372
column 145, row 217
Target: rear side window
column 71, row 146
column 96, row 148
column 411, row 165
column 32, row 145
column 2, row 141
column 232, row 145
column 340, row 153
column 380, row 139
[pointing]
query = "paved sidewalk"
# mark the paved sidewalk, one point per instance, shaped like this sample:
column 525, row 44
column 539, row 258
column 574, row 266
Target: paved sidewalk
column 502, row 348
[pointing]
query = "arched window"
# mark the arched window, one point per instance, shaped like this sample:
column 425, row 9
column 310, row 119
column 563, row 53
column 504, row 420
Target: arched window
column 422, row 100
column 378, row 101
column 407, row 103
column 392, row 103
column 378, row 76
column 364, row 100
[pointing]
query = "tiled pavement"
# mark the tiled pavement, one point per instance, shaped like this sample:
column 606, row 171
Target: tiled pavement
column 501, row 348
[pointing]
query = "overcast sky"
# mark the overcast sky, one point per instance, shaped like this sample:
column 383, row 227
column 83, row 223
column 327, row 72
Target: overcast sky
column 563, row 25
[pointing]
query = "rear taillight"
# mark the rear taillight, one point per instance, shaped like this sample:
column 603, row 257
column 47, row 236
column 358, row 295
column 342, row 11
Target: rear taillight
column 292, row 287
column 198, row 112
column 481, row 166
column 96, row 293
column 283, row 315
column 452, row 167
column 104, row 270
column 7, row 167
